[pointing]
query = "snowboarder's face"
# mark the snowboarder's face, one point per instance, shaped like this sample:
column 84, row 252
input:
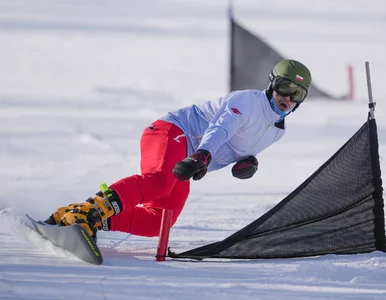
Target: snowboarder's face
column 283, row 103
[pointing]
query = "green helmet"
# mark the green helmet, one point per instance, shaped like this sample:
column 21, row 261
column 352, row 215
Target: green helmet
column 293, row 71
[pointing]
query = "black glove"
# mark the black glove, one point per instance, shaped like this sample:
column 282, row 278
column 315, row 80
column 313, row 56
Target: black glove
column 194, row 166
column 245, row 168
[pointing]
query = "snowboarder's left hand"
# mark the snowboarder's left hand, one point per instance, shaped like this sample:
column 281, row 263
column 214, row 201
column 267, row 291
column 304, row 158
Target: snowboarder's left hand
column 245, row 168
column 194, row 166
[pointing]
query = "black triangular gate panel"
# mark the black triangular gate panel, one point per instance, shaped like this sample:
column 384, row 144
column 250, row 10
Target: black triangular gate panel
column 337, row 210
column 252, row 60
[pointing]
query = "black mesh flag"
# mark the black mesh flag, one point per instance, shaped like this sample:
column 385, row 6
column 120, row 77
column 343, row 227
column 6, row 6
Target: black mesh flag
column 252, row 61
column 337, row 210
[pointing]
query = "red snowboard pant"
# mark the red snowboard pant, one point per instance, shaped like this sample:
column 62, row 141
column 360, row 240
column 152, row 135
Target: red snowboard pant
column 144, row 196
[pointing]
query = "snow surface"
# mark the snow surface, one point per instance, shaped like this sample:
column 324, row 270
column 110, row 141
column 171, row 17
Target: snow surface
column 79, row 80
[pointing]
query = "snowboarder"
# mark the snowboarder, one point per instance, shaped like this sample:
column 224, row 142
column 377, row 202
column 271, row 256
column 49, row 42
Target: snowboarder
column 187, row 144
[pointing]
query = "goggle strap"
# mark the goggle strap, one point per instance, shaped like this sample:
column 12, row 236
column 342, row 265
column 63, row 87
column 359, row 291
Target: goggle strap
column 272, row 77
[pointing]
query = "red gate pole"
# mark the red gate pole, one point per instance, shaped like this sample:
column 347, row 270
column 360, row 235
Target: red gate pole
column 163, row 238
column 350, row 73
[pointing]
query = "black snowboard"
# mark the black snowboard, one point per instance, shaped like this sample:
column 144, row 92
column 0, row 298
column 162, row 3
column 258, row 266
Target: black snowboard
column 74, row 239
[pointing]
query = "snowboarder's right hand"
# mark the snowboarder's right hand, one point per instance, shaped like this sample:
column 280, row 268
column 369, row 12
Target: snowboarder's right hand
column 194, row 166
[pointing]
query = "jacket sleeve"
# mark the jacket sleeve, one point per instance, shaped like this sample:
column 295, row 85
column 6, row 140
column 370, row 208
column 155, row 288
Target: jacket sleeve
column 231, row 116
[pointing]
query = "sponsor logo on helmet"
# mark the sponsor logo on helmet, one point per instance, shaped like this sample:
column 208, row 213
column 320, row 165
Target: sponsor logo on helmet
column 300, row 78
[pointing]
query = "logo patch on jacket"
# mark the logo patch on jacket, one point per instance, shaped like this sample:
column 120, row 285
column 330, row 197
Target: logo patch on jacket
column 177, row 138
column 236, row 111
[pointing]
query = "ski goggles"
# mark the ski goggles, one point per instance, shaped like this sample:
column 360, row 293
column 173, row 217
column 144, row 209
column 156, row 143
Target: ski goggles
column 285, row 87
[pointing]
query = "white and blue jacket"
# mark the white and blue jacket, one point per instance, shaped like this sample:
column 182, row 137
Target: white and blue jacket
column 230, row 128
